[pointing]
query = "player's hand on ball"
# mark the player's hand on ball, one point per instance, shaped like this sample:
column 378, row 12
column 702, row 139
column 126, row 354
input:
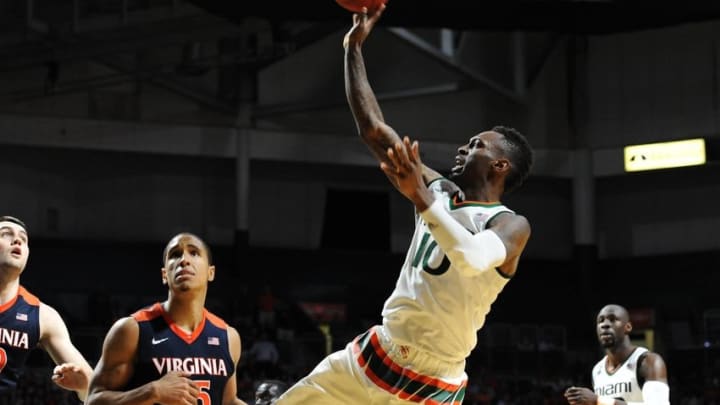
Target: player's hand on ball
column 363, row 23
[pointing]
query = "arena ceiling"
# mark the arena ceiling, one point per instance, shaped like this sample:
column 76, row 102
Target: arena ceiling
column 172, row 43
column 561, row 16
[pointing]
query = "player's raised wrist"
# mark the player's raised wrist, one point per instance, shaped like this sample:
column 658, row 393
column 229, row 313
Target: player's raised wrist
column 422, row 199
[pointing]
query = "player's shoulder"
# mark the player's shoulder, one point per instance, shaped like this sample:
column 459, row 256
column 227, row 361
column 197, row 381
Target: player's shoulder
column 122, row 340
column 125, row 323
column 638, row 354
column 510, row 220
column 234, row 343
column 233, row 334
column 518, row 219
column 125, row 328
column 651, row 366
column 443, row 185
column 29, row 297
column 48, row 315
column 646, row 356
column 50, row 322
column 148, row 313
column 215, row 320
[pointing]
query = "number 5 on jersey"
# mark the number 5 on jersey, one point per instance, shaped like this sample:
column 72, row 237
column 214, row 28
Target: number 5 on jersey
column 204, row 396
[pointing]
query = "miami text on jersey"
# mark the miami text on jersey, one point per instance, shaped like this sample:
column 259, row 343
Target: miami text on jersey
column 613, row 389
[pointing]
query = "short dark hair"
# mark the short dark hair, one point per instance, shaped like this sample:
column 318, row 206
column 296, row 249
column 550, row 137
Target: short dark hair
column 204, row 246
column 521, row 156
column 8, row 218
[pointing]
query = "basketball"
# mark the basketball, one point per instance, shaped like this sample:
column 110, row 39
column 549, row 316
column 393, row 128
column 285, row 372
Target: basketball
column 356, row 5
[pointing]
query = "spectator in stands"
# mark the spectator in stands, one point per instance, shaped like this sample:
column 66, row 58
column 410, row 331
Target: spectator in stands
column 266, row 308
column 264, row 356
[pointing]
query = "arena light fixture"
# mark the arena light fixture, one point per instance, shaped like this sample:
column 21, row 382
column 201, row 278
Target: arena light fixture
column 665, row 155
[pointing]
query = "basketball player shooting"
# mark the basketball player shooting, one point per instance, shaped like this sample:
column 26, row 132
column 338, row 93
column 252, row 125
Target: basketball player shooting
column 465, row 248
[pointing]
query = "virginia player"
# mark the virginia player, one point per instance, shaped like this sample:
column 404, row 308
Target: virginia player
column 174, row 352
column 26, row 322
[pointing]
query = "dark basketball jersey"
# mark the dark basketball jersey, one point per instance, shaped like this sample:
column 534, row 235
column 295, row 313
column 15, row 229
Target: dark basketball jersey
column 19, row 334
column 164, row 347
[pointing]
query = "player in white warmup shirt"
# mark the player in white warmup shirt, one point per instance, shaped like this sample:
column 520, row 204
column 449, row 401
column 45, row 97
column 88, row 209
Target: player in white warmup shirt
column 627, row 374
column 466, row 247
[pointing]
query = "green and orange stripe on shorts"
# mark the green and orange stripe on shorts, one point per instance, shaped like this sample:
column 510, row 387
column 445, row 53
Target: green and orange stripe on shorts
column 397, row 380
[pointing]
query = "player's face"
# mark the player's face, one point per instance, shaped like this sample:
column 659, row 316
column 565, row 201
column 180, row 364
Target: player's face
column 612, row 326
column 475, row 158
column 186, row 264
column 14, row 248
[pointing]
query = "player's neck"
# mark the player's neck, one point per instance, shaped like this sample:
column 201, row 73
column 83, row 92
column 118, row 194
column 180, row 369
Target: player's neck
column 483, row 194
column 618, row 355
column 481, row 189
column 8, row 288
column 187, row 314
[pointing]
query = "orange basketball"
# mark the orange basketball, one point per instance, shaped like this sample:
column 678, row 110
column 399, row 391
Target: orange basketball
column 356, row 5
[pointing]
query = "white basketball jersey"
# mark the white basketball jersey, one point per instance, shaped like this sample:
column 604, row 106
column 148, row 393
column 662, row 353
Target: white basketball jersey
column 433, row 307
column 622, row 383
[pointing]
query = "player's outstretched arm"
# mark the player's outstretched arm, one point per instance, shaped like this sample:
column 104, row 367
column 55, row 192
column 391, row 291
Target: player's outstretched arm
column 371, row 125
column 364, row 106
column 72, row 371
column 230, row 393
column 116, row 367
